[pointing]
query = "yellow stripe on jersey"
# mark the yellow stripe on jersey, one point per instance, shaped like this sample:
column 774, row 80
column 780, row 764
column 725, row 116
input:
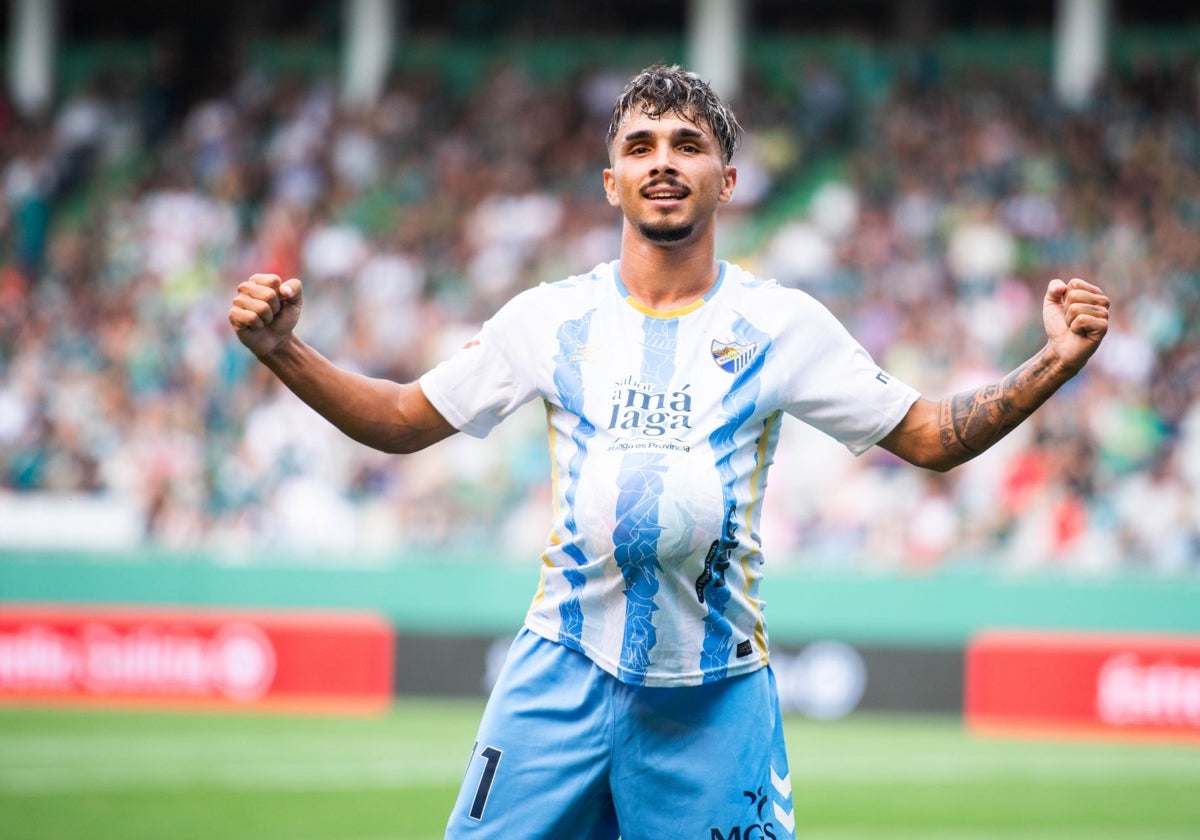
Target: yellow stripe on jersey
column 756, row 497
column 554, row 538
column 666, row 314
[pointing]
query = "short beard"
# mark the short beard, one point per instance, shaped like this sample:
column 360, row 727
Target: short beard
column 664, row 234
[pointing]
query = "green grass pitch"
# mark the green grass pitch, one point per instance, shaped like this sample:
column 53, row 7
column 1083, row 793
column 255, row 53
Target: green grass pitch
column 122, row 775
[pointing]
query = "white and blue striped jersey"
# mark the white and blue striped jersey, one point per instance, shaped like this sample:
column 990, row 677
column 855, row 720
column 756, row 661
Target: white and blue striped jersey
column 662, row 428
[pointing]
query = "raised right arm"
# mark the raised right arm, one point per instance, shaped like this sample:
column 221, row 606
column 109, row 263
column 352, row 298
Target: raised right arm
column 382, row 414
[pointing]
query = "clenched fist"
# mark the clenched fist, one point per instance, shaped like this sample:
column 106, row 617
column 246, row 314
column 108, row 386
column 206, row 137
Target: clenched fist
column 265, row 312
column 1075, row 315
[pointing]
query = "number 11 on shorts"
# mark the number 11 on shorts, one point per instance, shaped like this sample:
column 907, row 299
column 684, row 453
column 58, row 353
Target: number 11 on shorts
column 491, row 759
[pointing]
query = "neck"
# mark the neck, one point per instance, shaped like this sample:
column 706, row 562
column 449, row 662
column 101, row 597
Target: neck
column 663, row 278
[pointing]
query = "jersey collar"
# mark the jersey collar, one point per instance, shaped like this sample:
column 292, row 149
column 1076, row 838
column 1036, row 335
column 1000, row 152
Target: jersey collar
column 667, row 314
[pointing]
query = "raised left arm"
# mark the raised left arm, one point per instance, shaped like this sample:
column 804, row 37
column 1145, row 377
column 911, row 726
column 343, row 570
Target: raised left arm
column 942, row 435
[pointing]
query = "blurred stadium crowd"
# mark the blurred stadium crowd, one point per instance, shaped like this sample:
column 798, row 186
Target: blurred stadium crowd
column 944, row 207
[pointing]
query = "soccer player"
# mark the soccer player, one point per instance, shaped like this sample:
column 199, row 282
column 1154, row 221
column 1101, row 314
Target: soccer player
column 638, row 698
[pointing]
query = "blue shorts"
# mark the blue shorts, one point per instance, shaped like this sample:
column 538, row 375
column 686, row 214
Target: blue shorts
column 567, row 750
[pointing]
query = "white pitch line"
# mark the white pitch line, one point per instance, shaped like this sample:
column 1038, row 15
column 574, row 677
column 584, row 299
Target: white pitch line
column 236, row 775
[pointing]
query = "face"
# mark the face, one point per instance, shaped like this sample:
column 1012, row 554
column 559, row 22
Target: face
column 668, row 176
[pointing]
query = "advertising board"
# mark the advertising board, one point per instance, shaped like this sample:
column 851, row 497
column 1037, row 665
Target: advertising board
column 821, row 678
column 161, row 655
column 1111, row 685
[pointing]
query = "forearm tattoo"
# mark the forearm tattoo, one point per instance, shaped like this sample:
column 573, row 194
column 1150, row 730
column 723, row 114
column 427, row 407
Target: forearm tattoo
column 970, row 422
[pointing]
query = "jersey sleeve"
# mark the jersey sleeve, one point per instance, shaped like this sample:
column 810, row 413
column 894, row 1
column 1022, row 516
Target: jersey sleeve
column 485, row 381
column 837, row 387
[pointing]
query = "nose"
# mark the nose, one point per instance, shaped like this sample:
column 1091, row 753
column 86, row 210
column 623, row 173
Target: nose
column 663, row 161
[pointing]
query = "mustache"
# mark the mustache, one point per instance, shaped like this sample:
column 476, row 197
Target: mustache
column 673, row 183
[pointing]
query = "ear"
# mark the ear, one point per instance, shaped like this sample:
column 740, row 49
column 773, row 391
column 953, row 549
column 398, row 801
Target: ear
column 728, row 181
column 610, row 188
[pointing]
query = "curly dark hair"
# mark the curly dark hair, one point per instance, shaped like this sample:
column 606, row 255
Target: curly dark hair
column 662, row 89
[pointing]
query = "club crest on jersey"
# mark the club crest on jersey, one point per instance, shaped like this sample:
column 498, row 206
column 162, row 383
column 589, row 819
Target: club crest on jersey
column 732, row 358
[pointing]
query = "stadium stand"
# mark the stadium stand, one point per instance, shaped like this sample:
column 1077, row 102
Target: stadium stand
column 927, row 202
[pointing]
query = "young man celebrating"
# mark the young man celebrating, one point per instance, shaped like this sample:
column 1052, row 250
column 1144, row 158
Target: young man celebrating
column 638, row 699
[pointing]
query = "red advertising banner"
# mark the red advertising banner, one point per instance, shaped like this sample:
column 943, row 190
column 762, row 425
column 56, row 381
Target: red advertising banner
column 303, row 660
column 1084, row 684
